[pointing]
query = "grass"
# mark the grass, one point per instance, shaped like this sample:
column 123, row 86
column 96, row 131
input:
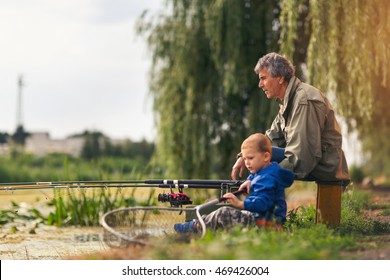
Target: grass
column 78, row 208
column 13, row 213
column 316, row 242
column 386, row 212
column 353, row 220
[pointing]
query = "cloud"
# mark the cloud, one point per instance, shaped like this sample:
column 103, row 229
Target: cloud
column 83, row 67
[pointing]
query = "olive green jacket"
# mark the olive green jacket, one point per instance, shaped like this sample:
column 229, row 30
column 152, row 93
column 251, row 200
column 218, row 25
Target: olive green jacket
column 308, row 130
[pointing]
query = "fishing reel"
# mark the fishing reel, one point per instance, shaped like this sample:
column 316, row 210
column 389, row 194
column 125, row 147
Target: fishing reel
column 175, row 199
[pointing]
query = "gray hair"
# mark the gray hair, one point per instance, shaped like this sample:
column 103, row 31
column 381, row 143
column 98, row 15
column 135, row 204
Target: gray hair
column 277, row 65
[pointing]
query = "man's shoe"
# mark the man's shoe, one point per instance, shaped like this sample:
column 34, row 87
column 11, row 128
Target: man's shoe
column 187, row 227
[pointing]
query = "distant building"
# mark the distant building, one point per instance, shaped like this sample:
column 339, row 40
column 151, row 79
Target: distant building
column 40, row 144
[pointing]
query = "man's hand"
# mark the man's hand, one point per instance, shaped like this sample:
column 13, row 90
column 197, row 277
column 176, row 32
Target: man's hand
column 238, row 167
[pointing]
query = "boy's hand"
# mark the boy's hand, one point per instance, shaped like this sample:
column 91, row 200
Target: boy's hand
column 234, row 200
column 245, row 186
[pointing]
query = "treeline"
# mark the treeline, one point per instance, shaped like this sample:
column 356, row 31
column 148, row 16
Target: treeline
column 100, row 159
column 97, row 145
column 18, row 137
column 60, row 167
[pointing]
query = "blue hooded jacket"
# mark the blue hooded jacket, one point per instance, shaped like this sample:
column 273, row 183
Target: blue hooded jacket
column 267, row 199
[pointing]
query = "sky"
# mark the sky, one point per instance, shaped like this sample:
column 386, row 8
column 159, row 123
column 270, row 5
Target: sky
column 83, row 67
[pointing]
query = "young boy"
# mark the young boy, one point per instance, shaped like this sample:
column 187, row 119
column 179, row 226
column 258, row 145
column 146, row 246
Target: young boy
column 265, row 205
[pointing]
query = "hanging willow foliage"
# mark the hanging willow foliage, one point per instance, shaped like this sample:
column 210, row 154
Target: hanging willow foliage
column 205, row 92
column 348, row 57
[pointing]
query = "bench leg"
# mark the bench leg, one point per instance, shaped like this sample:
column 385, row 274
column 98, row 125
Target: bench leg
column 328, row 208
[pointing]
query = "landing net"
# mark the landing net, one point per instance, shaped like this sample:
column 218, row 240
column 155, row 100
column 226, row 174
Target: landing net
column 143, row 225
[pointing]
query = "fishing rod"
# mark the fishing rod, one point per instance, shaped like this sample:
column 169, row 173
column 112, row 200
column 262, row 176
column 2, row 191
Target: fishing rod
column 160, row 183
column 175, row 199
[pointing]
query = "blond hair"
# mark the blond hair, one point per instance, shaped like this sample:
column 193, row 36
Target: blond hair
column 258, row 141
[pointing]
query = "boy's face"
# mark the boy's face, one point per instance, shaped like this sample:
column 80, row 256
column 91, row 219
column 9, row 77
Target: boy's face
column 254, row 159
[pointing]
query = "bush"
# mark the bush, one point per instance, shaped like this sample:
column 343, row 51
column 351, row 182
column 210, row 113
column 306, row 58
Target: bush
column 356, row 173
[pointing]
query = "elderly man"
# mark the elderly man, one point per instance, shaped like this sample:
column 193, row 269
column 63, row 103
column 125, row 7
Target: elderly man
column 305, row 134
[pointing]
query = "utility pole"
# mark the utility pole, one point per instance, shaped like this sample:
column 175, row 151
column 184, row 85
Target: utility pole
column 20, row 135
column 19, row 120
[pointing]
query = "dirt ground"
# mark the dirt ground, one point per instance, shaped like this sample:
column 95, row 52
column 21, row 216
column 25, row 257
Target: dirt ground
column 380, row 244
column 34, row 241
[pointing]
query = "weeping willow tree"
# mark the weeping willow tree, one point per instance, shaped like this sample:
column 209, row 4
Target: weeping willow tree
column 204, row 89
column 348, row 56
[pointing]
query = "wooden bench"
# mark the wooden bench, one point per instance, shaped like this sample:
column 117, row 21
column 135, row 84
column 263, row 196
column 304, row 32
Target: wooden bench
column 328, row 204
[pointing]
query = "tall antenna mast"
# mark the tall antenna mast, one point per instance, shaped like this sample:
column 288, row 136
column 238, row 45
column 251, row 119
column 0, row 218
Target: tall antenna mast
column 19, row 120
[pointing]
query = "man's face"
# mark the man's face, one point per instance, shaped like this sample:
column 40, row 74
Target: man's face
column 273, row 87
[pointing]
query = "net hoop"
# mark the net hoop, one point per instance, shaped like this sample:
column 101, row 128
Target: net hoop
column 141, row 225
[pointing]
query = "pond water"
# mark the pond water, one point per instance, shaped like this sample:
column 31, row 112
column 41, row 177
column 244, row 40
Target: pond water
column 32, row 240
column 50, row 243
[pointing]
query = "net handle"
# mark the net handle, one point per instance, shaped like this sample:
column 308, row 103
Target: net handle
column 208, row 204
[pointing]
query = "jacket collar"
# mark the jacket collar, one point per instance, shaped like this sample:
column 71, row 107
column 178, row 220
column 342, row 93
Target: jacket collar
column 289, row 96
column 291, row 87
